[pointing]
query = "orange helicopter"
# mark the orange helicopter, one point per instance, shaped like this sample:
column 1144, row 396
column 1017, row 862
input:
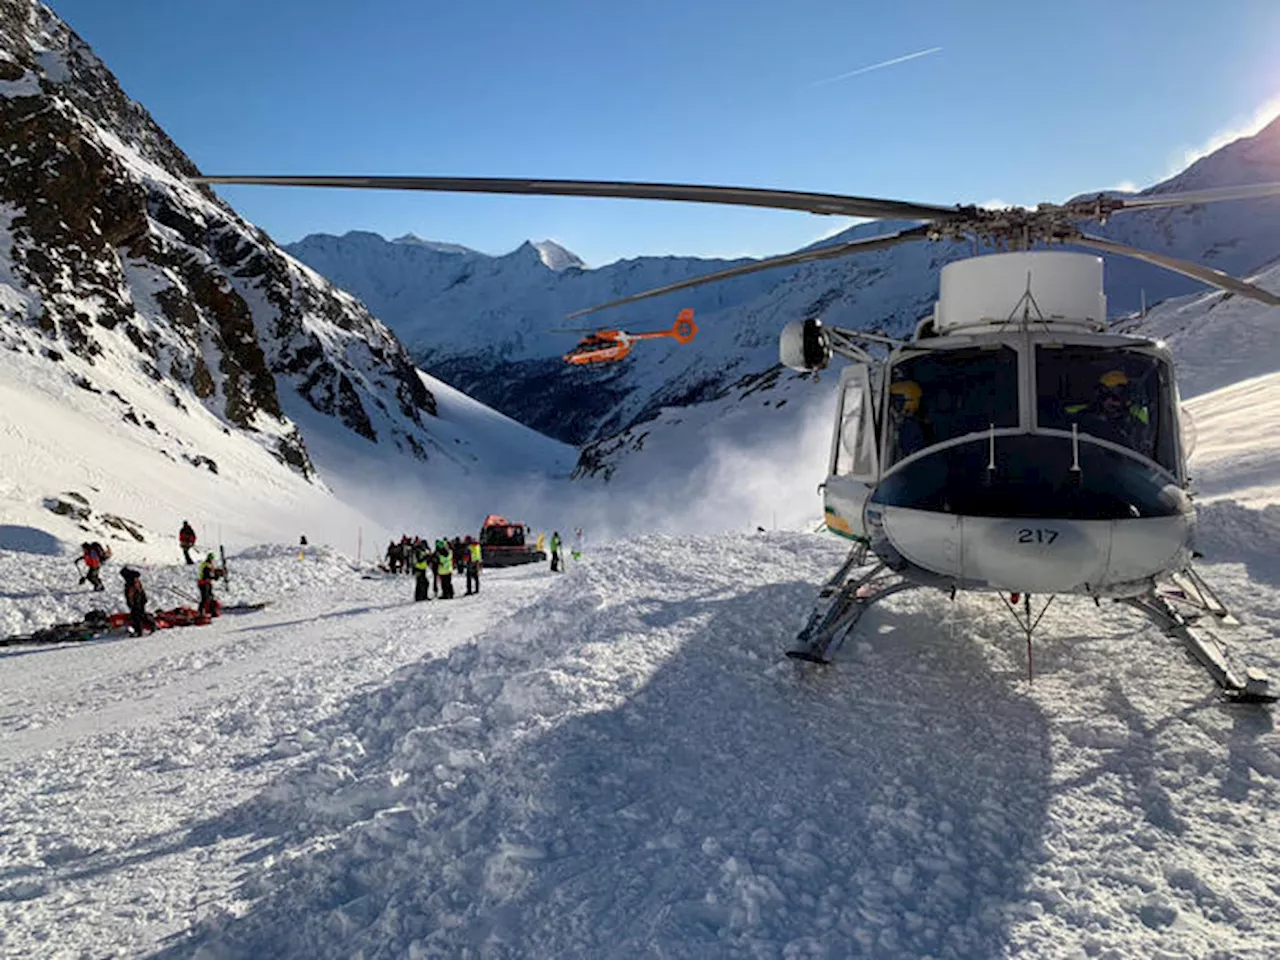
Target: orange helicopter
column 609, row 346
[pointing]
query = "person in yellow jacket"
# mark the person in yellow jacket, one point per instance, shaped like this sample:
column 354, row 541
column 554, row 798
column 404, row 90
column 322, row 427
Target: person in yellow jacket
column 473, row 566
column 421, row 585
column 444, row 559
column 555, row 551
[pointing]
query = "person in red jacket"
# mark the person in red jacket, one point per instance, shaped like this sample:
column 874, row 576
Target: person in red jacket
column 186, row 540
column 92, row 555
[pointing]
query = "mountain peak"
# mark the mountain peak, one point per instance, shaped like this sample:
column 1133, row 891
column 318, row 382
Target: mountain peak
column 557, row 257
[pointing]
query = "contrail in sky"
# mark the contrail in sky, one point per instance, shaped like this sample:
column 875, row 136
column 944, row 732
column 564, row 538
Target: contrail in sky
column 876, row 66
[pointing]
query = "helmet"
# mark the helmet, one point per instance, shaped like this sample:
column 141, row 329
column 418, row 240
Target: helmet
column 910, row 393
column 210, row 558
column 1113, row 386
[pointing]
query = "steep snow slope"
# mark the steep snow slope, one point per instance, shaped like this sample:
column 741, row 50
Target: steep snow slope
column 1228, row 352
column 131, row 471
column 1237, row 454
column 108, row 254
column 145, row 463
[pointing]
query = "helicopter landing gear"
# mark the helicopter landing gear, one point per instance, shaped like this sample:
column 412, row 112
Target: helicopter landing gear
column 841, row 603
column 1027, row 619
column 1240, row 684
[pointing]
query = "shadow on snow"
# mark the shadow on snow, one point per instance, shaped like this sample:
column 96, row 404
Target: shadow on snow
column 729, row 804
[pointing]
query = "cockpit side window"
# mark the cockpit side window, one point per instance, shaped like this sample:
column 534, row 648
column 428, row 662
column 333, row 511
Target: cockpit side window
column 856, row 441
column 947, row 394
column 1113, row 394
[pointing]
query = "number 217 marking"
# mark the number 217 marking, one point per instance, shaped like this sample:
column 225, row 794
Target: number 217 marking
column 1038, row 535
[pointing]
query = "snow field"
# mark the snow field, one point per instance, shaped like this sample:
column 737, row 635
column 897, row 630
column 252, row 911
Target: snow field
column 112, row 749
column 627, row 767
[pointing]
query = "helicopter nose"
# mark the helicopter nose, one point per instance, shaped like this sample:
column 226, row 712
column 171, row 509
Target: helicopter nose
column 1034, row 524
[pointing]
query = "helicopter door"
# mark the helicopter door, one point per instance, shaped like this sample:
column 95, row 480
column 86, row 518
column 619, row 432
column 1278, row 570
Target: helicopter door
column 854, row 455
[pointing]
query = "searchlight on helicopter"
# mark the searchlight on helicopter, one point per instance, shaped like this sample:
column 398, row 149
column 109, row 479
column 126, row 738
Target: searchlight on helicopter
column 1013, row 444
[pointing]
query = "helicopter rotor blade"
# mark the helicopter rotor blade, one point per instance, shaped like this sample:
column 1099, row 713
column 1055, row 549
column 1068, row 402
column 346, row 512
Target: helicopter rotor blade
column 1215, row 278
column 805, row 256
column 821, row 203
column 1253, row 191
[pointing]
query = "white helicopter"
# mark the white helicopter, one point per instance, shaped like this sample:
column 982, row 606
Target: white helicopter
column 1013, row 444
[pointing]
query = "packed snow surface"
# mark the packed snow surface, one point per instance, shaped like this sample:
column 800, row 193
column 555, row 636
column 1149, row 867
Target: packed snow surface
column 617, row 761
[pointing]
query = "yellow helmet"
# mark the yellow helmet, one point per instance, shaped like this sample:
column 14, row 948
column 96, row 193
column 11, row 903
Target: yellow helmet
column 1113, row 378
column 910, row 393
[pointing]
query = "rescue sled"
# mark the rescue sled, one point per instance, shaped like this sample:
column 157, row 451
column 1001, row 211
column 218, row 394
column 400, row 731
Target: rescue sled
column 99, row 625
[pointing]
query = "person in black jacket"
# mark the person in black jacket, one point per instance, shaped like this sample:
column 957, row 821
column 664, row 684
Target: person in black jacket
column 187, row 541
column 135, row 597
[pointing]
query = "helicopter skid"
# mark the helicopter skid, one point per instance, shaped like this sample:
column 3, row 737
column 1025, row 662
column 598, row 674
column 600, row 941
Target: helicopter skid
column 841, row 603
column 1239, row 683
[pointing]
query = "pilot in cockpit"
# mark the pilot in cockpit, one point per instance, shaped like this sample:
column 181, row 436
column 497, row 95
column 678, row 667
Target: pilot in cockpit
column 904, row 408
column 1115, row 414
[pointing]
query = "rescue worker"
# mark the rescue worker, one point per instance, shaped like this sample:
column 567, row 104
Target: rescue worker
column 555, row 551
column 473, row 566
column 135, row 598
column 444, row 559
column 433, row 559
column 1114, row 415
column 206, row 573
column 187, row 540
column 421, row 585
column 92, row 555
column 904, row 407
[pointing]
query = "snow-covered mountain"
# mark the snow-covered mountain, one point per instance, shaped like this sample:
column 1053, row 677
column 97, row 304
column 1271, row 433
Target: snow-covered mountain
column 483, row 323
column 141, row 318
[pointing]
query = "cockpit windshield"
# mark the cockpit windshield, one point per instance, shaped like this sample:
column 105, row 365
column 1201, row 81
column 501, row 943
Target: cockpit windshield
column 1118, row 395
column 946, row 394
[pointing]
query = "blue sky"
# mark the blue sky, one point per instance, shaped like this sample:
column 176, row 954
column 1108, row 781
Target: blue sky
column 1024, row 101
